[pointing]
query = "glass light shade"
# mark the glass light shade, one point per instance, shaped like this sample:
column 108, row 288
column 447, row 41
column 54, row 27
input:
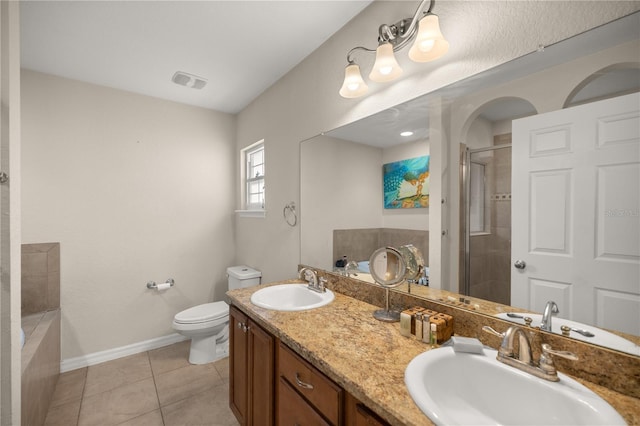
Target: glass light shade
column 353, row 85
column 430, row 43
column 386, row 67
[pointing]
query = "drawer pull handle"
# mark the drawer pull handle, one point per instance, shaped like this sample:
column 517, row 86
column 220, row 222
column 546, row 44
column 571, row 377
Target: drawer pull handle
column 303, row 384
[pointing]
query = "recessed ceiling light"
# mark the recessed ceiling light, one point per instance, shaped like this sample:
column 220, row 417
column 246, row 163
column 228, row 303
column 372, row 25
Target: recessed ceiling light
column 407, row 133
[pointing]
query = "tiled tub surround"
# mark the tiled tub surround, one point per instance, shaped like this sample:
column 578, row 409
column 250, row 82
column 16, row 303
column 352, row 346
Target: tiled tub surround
column 346, row 343
column 40, row 364
column 40, row 277
column 358, row 244
column 40, row 356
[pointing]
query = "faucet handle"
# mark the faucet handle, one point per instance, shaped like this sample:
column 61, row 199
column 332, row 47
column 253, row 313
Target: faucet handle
column 546, row 361
column 490, row 330
column 547, row 350
column 322, row 284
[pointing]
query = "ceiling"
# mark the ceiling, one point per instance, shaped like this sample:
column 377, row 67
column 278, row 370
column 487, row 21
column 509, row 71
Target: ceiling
column 240, row 47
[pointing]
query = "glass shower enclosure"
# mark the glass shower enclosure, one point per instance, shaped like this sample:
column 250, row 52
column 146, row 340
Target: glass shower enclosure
column 486, row 220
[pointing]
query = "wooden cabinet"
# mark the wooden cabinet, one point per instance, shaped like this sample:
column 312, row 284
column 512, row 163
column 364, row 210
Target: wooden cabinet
column 357, row 414
column 313, row 389
column 288, row 392
column 252, row 368
column 294, row 410
column 238, row 371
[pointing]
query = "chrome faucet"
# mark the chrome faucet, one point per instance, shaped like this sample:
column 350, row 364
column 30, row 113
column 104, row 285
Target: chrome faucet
column 544, row 369
column 550, row 310
column 351, row 265
column 311, row 276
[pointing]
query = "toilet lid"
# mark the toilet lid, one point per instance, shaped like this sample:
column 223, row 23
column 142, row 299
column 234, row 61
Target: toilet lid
column 201, row 313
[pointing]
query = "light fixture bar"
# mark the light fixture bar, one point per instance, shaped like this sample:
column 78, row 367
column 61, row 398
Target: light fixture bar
column 429, row 45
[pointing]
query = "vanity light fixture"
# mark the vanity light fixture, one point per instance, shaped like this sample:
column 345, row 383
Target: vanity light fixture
column 429, row 44
column 406, row 134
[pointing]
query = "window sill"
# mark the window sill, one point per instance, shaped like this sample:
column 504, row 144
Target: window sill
column 252, row 213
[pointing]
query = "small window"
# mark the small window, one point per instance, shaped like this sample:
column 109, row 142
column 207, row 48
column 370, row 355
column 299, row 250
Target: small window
column 254, row 178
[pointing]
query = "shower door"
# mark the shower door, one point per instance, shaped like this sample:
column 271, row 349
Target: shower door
column 487, row 257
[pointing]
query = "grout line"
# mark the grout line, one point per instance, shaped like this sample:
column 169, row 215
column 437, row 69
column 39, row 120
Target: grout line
column 84, row 386
column 155, row 385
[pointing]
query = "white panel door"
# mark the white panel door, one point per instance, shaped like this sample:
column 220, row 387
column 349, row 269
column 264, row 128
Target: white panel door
column 576, row 212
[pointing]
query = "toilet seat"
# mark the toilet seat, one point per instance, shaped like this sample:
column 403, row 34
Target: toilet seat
column 206, row 312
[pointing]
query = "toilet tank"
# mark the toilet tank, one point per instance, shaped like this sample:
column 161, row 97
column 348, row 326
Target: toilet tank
column 242, row 276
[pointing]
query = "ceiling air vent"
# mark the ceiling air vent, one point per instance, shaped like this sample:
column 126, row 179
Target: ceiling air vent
column 189, row 80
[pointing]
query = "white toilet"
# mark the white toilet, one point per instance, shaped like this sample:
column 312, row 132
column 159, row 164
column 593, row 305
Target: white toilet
column 208, row 325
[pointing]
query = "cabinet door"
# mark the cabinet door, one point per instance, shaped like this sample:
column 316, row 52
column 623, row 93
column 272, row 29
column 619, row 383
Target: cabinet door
column 261, row 375
column 357, row 414
column 294, row 410
column 238, row 377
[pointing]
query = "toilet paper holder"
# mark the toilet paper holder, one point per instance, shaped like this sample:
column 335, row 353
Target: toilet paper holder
column 153, row 286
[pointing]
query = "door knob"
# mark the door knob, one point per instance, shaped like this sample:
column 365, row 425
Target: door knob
column 520, row 264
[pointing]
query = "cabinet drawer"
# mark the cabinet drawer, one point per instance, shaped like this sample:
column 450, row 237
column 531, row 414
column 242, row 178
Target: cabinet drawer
column 314, row 386
column 294, row 410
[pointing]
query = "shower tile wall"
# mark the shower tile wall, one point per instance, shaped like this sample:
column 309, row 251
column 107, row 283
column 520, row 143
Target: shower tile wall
column 491, row 253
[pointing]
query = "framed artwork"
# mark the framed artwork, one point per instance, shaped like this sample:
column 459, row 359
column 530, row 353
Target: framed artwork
column 406, row 183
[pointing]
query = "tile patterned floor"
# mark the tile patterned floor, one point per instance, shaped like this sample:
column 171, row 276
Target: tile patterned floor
column 154, row 388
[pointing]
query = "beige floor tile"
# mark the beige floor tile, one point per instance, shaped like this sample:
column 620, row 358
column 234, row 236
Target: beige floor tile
column 109, row 375
column 223, row 368
column 69, row 387
column 206, row 408
column 63, row 415
column 153, row 418
column 120, row 404
column 184, row 382
column 170, row 357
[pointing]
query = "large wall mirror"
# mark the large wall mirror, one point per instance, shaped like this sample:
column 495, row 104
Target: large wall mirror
column 342, row 190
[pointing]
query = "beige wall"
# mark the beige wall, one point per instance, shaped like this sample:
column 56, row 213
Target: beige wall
column 341, row 188
column 135, row 189
column 305, row 103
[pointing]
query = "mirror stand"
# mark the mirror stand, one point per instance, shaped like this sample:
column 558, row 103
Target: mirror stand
column 386, row 314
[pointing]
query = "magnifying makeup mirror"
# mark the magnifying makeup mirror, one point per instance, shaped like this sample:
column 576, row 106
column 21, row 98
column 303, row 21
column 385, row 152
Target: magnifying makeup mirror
column 388, row 269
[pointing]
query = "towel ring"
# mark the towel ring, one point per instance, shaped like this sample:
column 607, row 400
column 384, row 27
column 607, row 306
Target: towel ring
column 289, row 213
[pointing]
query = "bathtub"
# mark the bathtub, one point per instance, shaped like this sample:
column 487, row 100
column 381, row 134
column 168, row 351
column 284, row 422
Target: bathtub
column 40, row 364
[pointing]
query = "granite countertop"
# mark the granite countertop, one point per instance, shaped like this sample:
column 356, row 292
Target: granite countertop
column 365, row 356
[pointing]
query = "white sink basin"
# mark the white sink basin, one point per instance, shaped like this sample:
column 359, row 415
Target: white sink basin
column 600, row 337
column 476, row 389
column 290, row 297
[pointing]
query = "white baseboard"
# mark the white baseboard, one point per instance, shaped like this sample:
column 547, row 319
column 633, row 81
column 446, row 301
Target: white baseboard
column 115, row 353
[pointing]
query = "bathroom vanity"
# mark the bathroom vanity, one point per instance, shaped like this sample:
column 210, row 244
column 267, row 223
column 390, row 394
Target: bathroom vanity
column 271, row 384
column 337, row 364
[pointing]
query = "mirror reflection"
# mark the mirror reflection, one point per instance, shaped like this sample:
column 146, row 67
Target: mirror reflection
column 343, row 213
column 387, row 267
